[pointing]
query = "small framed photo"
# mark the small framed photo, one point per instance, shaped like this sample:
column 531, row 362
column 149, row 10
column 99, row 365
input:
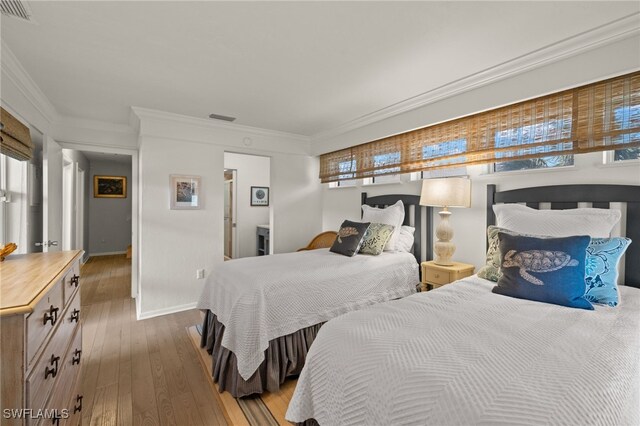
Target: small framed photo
column 109, row 186
column 259, row 196
column 185, row 192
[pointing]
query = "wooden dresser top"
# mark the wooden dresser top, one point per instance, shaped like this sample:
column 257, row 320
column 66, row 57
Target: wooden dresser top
column 25, row 278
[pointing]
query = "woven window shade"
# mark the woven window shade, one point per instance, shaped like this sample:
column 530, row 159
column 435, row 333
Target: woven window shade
column 15, row 139
column 597, row 117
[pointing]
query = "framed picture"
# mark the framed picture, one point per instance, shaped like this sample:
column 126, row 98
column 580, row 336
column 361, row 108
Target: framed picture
column 185, row 192
column 259, row 196
column 109, row 186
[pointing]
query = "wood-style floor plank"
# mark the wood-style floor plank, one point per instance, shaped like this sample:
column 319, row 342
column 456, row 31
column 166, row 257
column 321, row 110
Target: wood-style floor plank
column 138, row 372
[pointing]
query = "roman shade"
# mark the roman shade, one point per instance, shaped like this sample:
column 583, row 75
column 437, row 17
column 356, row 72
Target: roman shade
column 596, row 117
column 15, row 139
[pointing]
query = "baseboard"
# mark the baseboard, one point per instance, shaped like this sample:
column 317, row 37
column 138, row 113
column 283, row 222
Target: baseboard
column 108, row 253
column 166, row 311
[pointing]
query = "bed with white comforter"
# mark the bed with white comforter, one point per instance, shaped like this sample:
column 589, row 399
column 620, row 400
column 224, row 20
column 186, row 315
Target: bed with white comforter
column 464, row 355
column 262, row 298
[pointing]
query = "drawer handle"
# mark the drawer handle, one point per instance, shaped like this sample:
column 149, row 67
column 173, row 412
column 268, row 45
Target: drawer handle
column 76, row 357
column 52, row 316
column 75, row 315
column 437, row 275
column 78, row 407
column 54, row 370
column 75, row 280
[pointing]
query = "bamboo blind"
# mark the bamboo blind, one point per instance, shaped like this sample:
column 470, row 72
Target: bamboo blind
column 596, row 117
column 15, row 139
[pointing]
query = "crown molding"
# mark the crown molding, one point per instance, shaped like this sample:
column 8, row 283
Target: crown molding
column 611, row 32
column 143, row 113
column 97, row 125
column 13, row 69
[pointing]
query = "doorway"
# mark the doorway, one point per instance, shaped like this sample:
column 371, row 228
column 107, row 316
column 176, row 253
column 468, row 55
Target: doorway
column 247, row 205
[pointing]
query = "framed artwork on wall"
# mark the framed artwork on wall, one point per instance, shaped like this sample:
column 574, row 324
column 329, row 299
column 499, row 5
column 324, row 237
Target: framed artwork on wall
column 109, row 186
column 259, row 196
column 185, row 192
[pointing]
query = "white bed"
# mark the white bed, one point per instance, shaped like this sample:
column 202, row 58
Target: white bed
column 464, row 355
column 262, row 298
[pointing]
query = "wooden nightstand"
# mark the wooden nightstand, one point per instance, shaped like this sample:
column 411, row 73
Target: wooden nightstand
column 437, row 275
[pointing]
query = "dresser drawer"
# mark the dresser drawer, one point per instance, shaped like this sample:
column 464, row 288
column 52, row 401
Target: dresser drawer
column 71, row 282
column 436, row 277
column 60, row 399
column 54, row 356
column 50, row 308
column 75, row 405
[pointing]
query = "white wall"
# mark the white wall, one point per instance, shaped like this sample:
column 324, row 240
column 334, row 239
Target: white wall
column 469, row 224
column 109, row 218
column 175, row 243
column 251, row 170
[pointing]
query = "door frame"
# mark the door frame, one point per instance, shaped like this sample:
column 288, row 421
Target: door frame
column 68, row 202
column 135, row 200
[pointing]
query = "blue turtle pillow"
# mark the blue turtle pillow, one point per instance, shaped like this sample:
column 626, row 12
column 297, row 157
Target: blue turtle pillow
column 549, row 270
column 603, row 256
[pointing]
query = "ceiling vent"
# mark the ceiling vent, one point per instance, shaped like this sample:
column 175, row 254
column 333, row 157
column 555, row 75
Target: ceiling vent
column 221, row 117
column 16, row 8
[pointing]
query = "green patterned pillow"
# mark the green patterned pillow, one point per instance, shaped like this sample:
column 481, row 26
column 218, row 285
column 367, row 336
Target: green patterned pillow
column 376, row 238
column 491, row 270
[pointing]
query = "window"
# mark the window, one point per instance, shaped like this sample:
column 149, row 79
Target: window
column 522, row 136
column 347, row 174
column 382, row 160
column 602, row 116
column 625, row 154
column 625, row 118
column 458, row 146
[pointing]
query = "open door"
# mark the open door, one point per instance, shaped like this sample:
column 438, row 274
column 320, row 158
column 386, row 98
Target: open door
column 51, row 195
column 229, row 215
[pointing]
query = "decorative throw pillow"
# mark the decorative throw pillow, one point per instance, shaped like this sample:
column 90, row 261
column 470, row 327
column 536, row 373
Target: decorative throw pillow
column 601, row 276
column 556, row 223
column 349, row 238
column 603, row 256
column 392, row 215
column 491, row 270
column 376, row 238
column 405, row 239
column 549, row 270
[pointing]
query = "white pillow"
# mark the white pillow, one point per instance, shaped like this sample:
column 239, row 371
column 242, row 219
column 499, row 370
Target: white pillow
column 392, row 215
column 405, row 239
column 596, row 223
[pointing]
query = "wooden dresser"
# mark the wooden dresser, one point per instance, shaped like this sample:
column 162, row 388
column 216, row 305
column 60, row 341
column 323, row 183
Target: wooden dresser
column 41, row 339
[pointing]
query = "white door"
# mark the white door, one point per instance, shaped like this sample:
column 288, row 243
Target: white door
column 52, row 195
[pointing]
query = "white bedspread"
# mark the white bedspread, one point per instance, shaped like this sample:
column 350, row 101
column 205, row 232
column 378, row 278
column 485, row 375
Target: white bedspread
column 261, row 298
column 461, row 355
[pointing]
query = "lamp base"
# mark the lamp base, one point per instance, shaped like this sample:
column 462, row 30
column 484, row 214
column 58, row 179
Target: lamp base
column 444, row 248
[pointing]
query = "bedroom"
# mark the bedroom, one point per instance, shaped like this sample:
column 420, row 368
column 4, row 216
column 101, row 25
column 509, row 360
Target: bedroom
column 108, row 77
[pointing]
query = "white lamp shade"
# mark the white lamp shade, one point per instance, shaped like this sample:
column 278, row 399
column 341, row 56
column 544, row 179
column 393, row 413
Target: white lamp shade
column 446, row 192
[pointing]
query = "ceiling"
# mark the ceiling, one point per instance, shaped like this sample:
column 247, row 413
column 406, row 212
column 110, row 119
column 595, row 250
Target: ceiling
column 299, row 67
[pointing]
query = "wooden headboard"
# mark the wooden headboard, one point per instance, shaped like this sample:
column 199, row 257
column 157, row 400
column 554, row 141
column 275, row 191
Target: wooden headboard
column 422, row 223
column 568, row 197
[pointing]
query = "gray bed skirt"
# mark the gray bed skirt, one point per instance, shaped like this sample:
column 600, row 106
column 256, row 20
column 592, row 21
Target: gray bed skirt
column 284, row 357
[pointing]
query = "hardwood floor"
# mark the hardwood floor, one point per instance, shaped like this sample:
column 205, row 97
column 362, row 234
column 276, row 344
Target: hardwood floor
column 138, row 372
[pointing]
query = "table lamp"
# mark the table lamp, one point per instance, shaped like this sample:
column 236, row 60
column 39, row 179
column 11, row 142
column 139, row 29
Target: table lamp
column 446, row 192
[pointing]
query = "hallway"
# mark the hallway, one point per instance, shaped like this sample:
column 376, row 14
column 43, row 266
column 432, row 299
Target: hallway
column 137, row 372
